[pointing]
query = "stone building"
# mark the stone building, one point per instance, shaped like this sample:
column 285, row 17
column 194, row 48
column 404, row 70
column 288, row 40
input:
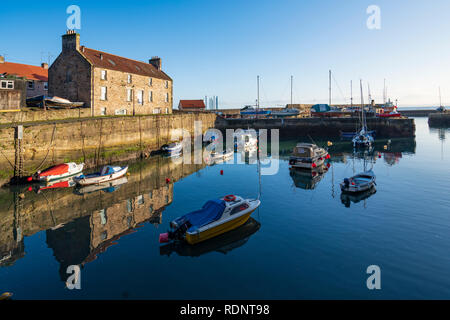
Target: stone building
column 36, row 77
column 109, row 84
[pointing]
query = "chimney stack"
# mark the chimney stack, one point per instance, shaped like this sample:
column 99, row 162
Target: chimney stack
column 70, row 41
column 2, row 59
column 156, row 61
column 44, row 65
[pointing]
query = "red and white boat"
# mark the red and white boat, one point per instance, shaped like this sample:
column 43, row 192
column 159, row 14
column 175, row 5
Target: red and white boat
column 393, row 114
column 59, row 171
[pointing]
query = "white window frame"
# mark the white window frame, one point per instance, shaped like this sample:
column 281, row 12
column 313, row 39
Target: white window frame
column 150, row 82
column 7, row 84
column 167, row 97
column 140, row 97
column 103, row 93
column 103, row 111
column 129, row 95
column 104, row 75
column 120, row 112
column 150, row 96
column 129, row 78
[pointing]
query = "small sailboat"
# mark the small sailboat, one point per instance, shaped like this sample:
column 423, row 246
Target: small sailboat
column 363, row 138
column 173, row 148
column 308, row 156
column 361, row 182
column 108, row 173
column 59, row 171
column 214, row 218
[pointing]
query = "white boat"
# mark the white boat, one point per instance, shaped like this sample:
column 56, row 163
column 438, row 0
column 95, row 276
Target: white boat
column 363, row 138
column 174, row 147
column 361, row 182
column 214, row 218
column 108, row 186
column 308, row 156
column 108, row 173
column 285, row 112
column 59, row 171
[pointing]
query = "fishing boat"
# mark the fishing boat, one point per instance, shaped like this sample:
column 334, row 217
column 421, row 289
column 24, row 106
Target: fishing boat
column 214, row 218
column 308, row 156
column 173, row 148
column 108, row 173
column 59, row 171
column 359, row 183
column 392, row 114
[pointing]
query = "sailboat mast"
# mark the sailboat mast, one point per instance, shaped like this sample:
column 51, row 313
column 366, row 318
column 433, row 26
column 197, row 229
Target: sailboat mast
column 329, row 88
column 384, row 92
column 291, row 90
column 257, row 96
column 440, row 101
column 363, row 119
column 351, row 93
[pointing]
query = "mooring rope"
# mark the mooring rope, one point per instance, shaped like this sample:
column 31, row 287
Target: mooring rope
column 48, row 151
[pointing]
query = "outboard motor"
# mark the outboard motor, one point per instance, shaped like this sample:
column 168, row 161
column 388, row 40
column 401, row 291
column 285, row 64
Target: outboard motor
column 346, row 182
column 176, row 234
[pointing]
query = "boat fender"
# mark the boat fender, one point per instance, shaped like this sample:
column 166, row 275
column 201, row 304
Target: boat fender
column 229, row 197
column 221, row 172
column 167, row 180
column 164, row 237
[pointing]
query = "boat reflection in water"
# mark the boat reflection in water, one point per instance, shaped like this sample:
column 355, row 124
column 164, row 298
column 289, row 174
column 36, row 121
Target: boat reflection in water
column 347, row 198
column 109, row 186
column 223, row 243
column 307, row 179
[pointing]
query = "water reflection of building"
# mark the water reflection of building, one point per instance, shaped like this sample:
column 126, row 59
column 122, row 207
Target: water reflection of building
column 93, row 218
column 82, row 240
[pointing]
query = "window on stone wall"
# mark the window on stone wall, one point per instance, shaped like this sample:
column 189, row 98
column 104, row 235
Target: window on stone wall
column 68, row 76
column 7, row 84
column 166, row 110
column 167, row 97
column 103, row 75
column 30, row 85
column 129, row 79
column 103, row 93
column 166, row 84
column 119, row 112
column 140, row 97
column 45, row 85
column 128, row 94
column 150, row 82
column 150, row 96
column 156, row 111
column 103, row 111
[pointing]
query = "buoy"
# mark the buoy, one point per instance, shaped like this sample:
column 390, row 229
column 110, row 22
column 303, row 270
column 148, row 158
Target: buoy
column 328, row 165
column 330, row 143
column 30, row 188
column 385, row 147
column 29, row 179
column 167, row 180
column 221, row 172
column 313, row 165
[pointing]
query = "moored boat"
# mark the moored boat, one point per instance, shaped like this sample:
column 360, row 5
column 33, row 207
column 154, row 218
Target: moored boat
column 308, row 156
column 108, row 173
column 173, row 148
column 214, row 218
column 361, row 182
column 109, row 186
column 59, row 171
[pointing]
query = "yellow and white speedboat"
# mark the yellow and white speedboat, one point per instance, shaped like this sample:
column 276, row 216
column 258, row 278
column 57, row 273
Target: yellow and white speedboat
column 214, row 218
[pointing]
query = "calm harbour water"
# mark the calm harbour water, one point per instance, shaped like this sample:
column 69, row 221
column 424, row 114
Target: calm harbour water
column 305, row 241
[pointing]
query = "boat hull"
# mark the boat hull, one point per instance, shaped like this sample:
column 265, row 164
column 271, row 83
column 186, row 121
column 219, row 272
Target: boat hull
column 101, row 179
column 193, row 238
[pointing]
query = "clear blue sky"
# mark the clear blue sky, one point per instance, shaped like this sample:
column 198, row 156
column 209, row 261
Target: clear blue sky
column 219, row 47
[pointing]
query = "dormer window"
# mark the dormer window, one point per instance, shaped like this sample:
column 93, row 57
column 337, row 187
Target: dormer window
column 129, row 78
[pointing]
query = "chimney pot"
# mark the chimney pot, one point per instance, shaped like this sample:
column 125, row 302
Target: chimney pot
column 2, row 59
column 44, row 65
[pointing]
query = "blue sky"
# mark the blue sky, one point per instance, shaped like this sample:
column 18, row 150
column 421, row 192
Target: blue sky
column 219, row 47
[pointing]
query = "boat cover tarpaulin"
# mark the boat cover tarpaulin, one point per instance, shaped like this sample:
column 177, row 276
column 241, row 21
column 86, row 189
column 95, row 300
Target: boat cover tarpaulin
column 211, row 211
column 56, row 170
